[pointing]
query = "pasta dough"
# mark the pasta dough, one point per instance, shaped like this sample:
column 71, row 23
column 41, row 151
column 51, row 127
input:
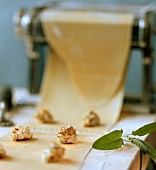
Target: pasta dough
column 86, row 71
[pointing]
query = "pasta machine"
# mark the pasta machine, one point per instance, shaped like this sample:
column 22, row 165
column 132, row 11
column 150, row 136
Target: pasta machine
column 28, row 27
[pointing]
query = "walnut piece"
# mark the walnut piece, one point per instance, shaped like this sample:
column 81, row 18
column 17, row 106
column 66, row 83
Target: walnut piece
column 2, row 152
column 20, row 133
column 44, row 116
column 53, row 153
column 91, row 119
column 67, row 134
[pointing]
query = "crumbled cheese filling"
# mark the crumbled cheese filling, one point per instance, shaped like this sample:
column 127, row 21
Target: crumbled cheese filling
column 2, row 152
column 53, row 153
column 67, row 134
column 20, row 133
column 91, row 119
column 44, row 116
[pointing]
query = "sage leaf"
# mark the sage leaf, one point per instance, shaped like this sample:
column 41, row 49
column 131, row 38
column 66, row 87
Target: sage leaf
column 141, row 145
column 152, row 151
column 145, row 147
column 109, row 141
column 145, row 129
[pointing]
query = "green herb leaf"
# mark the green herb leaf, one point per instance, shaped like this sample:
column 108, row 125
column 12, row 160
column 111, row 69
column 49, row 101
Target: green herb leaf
column 145, row 147
column 141, row 145
column 109, row 141
column 145, row 129
column 152, row 151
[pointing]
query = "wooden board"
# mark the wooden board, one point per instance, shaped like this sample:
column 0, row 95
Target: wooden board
column 27, row 154
column 127, row 157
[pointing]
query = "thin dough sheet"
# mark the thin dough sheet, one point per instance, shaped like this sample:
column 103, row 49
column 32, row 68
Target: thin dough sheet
column 87, row 69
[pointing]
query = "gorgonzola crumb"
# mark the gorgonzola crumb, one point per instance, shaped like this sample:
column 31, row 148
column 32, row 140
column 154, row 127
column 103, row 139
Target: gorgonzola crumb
column 91, row 119
column 44, row 116
column 67, row 134
column 2, row 152
column 20, row 133
column 53, row 153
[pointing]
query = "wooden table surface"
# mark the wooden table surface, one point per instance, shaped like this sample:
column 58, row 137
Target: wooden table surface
column 124, row 158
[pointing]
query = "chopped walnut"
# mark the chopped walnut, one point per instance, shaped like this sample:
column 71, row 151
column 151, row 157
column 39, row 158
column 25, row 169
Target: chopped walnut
column 2, row 152
column 53, row 153
column 91, row 119
column 20, row 133
column 44, row 116
column 67, row 134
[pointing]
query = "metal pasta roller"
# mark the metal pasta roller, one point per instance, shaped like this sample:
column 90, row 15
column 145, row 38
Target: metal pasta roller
column 5, row 105
column 28, row 26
